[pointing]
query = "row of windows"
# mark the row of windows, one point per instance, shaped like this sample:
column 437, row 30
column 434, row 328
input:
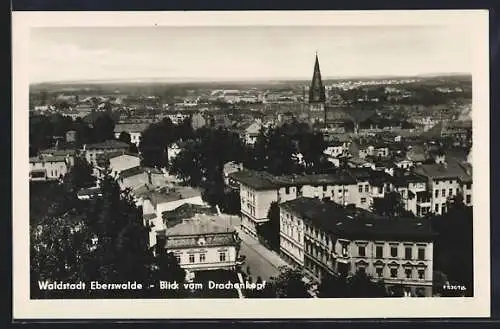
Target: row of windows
column 393, row 272
column 408, row 252
column 366, row 187
column 443, row 192
column 201, row 257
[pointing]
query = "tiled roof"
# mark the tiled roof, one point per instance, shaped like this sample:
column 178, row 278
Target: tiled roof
column 109, row 144
column 258, row 180
column 357, row 223
column 131, row 127
column 48, row 158
column 264, row 181
column 449, row 170
column 189, row 232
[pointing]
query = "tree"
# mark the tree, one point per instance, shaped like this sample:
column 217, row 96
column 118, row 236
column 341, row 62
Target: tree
column 124, row 137
column 453, row 246
column 390, row 205
column 101, row 239
column 80, row 175
column 289, row 284
column 104, row 127
column 270, row 230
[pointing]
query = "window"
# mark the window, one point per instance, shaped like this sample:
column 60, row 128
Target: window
column 287, row 190
column 202, row 258
column 408, row 273
column 178, row 258
column 191, row 258
column 340, row 191
column 361, row 251
column 360, row 188
column 379, row 271
column 361, row 270
column 436, row 208
column 467, row 199
column 436, row 193
column 324, row 188
column 468, row 186
column 379, row 251
column 421, row 274
column 458, row 191
column 394, row 272
column 450, row 192
column 408, row 253
column 363, row 200
column 367, row 188
column 443, row 192
column 222, row 256
column 394, row 251
column 421, row 254
column 344, row 250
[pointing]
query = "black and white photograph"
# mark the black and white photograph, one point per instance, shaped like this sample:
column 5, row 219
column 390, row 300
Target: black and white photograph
column 252, row 158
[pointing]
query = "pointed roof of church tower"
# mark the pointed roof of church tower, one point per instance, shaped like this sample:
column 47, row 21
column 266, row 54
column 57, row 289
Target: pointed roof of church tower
column 317, row 90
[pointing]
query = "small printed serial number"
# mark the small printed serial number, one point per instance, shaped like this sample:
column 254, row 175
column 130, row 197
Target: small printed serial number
column 454, row 287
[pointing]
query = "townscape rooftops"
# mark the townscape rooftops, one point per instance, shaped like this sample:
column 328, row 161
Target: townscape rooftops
column 174, row 194
column 48, row 158
column 449, row 170
column 357, row 223
column 131, row 127
column 109, row 144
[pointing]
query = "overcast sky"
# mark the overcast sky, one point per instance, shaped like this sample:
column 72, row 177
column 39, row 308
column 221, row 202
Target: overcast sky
column 243, row 53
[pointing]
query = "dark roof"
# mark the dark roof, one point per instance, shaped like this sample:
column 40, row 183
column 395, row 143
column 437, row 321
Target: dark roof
column 355, row 223
column 185, row 211
column 317, row 90
column 109, row 144
column 264, row 181
column 449, row 170
column 404, row 178
column 131, row 172
column 131, row 127
column 258, row 180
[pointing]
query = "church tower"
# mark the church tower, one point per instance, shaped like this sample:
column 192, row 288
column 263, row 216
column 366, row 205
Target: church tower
column 317, row 98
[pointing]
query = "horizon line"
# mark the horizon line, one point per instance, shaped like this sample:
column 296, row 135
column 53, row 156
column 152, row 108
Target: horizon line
column 243, row 80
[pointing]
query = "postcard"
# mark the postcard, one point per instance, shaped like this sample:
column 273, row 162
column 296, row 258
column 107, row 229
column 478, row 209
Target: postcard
column 250, row 165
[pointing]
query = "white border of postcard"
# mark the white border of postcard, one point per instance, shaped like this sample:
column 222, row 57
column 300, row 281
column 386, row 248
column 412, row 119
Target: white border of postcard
column 478, row 306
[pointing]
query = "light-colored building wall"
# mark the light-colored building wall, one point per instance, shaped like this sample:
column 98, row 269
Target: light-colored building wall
column 205, row 257
column 53, row 169
column 442, row 191
column 255, row 206
column 291, row 237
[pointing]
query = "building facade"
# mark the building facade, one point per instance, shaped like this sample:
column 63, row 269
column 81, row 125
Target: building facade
column 200, row 245
column 326, row 239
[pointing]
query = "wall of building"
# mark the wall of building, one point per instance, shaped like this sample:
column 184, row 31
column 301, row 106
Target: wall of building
column 441, row 191
column 212, row 259
column 54, row 170
column 292, row 237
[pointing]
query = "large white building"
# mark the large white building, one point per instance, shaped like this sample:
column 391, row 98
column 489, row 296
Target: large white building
column 446, row 180
column 325, row 238
column 200, row 244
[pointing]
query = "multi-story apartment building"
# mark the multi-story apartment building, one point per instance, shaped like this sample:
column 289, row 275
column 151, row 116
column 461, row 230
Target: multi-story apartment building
column 413, row 191
column 325, row 238
column 445, row 180
column 259, row 189
column 92, row 151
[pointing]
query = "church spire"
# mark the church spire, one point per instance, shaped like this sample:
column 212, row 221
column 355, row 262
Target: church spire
column 317, row 90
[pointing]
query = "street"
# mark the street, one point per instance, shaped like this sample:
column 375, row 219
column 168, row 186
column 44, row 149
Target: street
column 262, row 261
